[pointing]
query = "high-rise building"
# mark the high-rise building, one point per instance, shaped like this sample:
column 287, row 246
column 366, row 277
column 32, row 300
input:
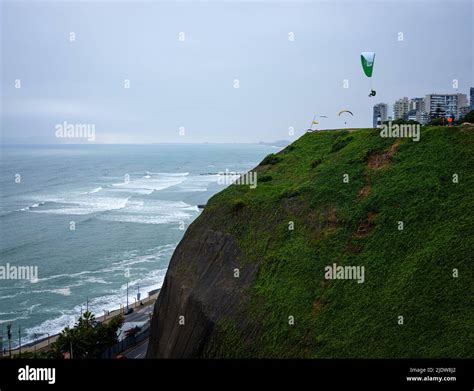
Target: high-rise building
column 417, row 104
column 472, row 98
column 411, row 115
column 401, row 108
column 445, row 105
column 417, row 110
column 380, row 114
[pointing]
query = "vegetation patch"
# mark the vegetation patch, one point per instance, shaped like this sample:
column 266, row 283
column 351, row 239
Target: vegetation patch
column 238, row 205
column 340, row 143
column 265, row 178
column 270, row 159
column 315, row 163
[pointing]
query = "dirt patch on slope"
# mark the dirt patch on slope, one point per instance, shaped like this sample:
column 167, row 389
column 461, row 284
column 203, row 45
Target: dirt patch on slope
column 381, row 159
column 316, row 307
column 330, row 217
column 353, row 248
column 365, row 191
column 366, row 226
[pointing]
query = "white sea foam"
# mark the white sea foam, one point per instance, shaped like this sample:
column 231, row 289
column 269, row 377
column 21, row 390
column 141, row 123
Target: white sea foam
column 26, row 208
column 51, row 326
column 198, row 183
column 62, row 291
column 168, row 173
column 96, row 190
column 113, row 197
column 95, row 280
column 66, row 291
column 84, row 205
column 151, row 182
column 125, row 261
column 153, row 280
column 152, row 212
column 72, row 275
column 12, row 320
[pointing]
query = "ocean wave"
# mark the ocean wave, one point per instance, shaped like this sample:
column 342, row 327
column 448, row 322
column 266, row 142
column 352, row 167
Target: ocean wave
column 33, row 206
column 12, row 320
column 149, row 183
column 168, row 173
column 93, row 191
column 50, row 326
column 96, row 280
column 152, row 212
column 71, row 275
column 62, row 291
column 125, row 260
column 80, row 206
column 198, row 183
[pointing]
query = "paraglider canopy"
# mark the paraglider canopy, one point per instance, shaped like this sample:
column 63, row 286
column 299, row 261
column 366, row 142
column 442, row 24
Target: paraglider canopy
column 367, row 59
column 346, row 111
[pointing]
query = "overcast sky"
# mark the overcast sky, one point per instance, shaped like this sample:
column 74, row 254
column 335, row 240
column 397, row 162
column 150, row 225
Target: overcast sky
column 190, row 83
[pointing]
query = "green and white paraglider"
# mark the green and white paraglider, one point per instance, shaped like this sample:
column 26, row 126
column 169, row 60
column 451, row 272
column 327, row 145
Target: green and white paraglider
column 367, row 59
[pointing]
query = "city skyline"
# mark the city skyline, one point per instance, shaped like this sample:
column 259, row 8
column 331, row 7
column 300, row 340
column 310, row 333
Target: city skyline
column 421, row 109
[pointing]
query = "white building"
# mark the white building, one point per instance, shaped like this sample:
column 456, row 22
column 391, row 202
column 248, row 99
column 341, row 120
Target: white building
column 445, row 105
column 401, row 108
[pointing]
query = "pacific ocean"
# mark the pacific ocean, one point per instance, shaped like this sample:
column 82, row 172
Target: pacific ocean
column 92, row 217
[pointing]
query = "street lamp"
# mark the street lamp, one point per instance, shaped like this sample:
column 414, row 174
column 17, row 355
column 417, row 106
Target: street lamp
column 138, row 293
column 9, row 334
column 35, row 336
column 127, row 295
column 1, row 343
column 19, row 339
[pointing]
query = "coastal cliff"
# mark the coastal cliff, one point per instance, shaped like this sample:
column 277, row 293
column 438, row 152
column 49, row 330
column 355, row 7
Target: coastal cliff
column 250, row 276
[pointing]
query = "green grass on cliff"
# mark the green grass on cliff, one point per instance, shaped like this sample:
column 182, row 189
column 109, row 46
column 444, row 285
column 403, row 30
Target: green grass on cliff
column 408, row 273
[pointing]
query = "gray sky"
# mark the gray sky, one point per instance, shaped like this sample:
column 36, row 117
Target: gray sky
column 190, row 84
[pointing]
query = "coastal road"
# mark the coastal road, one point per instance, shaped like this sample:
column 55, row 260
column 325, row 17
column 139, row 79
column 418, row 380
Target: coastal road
column 139, row 317
column 139, row 314
column 138, row 351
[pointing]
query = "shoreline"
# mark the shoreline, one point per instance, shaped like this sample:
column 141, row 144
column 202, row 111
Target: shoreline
column 43, row 343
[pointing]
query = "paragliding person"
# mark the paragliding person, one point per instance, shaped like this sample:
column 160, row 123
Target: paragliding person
column 367, row 59
column 345, row 111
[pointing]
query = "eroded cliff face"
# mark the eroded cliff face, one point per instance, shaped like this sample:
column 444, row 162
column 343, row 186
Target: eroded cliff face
column 200, row 289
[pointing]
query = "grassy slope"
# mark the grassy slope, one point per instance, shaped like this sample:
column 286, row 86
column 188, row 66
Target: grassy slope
column 407, row 272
